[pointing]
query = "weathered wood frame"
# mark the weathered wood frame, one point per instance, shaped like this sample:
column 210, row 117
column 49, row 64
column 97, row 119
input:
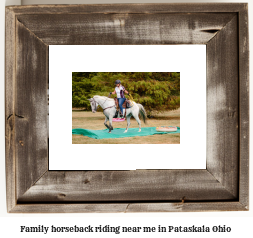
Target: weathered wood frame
column 223, row 186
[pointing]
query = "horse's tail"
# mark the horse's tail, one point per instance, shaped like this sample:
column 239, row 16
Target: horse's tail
column 142, row 112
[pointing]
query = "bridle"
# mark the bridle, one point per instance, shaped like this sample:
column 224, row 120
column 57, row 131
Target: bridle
column 100, row 105
column 93, row 100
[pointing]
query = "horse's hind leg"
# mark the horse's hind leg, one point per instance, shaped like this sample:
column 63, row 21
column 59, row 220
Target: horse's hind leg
column 128, row 123
column 135, row 115
column 139, row 122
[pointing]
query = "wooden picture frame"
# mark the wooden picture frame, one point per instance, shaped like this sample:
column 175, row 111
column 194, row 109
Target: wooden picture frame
column 222, row 186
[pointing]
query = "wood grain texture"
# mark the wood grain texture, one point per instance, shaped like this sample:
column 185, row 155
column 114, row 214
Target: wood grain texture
column 156, row 8
column 9, row 109
column 121, row 29
column 244, row 106
column 30, row 108
column 222, row 107
column 186, row 207
column 140, row 185
column 222, row 187
column 129, row 207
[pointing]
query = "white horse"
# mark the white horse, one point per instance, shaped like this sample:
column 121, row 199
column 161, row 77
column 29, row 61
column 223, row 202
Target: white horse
column 109, row 109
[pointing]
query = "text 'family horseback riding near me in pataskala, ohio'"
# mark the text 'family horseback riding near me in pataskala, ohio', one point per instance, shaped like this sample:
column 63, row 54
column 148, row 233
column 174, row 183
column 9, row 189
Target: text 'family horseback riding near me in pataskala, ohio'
column 125, row 229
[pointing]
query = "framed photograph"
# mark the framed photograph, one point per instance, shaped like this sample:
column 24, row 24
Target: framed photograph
column 47, row 44
column 161, row 94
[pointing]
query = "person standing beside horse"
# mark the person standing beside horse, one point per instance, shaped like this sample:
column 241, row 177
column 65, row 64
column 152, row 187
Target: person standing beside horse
column 120, row 90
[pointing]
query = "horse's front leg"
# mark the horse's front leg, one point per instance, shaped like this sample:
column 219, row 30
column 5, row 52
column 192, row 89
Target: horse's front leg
column 105, row 123
column 110, row 124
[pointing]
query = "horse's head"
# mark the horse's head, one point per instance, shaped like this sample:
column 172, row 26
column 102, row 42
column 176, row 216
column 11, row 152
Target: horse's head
column 94, row 104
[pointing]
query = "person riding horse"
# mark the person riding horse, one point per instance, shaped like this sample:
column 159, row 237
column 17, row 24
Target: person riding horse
column 120, row 90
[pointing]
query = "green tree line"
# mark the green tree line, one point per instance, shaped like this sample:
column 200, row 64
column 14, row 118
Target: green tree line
column 155, row 91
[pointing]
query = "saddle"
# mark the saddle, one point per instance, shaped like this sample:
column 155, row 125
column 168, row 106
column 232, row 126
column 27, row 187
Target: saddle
column 126, row 104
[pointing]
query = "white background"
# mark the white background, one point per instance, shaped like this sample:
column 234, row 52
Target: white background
column 241, row 222
column 189, row 154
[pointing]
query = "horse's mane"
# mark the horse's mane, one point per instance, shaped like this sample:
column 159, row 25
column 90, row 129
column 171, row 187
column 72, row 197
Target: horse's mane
column 104, row 97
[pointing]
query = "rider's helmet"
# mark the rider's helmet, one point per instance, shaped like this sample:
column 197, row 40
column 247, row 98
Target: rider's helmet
column 117, row 81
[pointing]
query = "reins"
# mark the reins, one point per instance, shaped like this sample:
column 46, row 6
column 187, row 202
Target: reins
column 107, row 108
column 101, row 105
